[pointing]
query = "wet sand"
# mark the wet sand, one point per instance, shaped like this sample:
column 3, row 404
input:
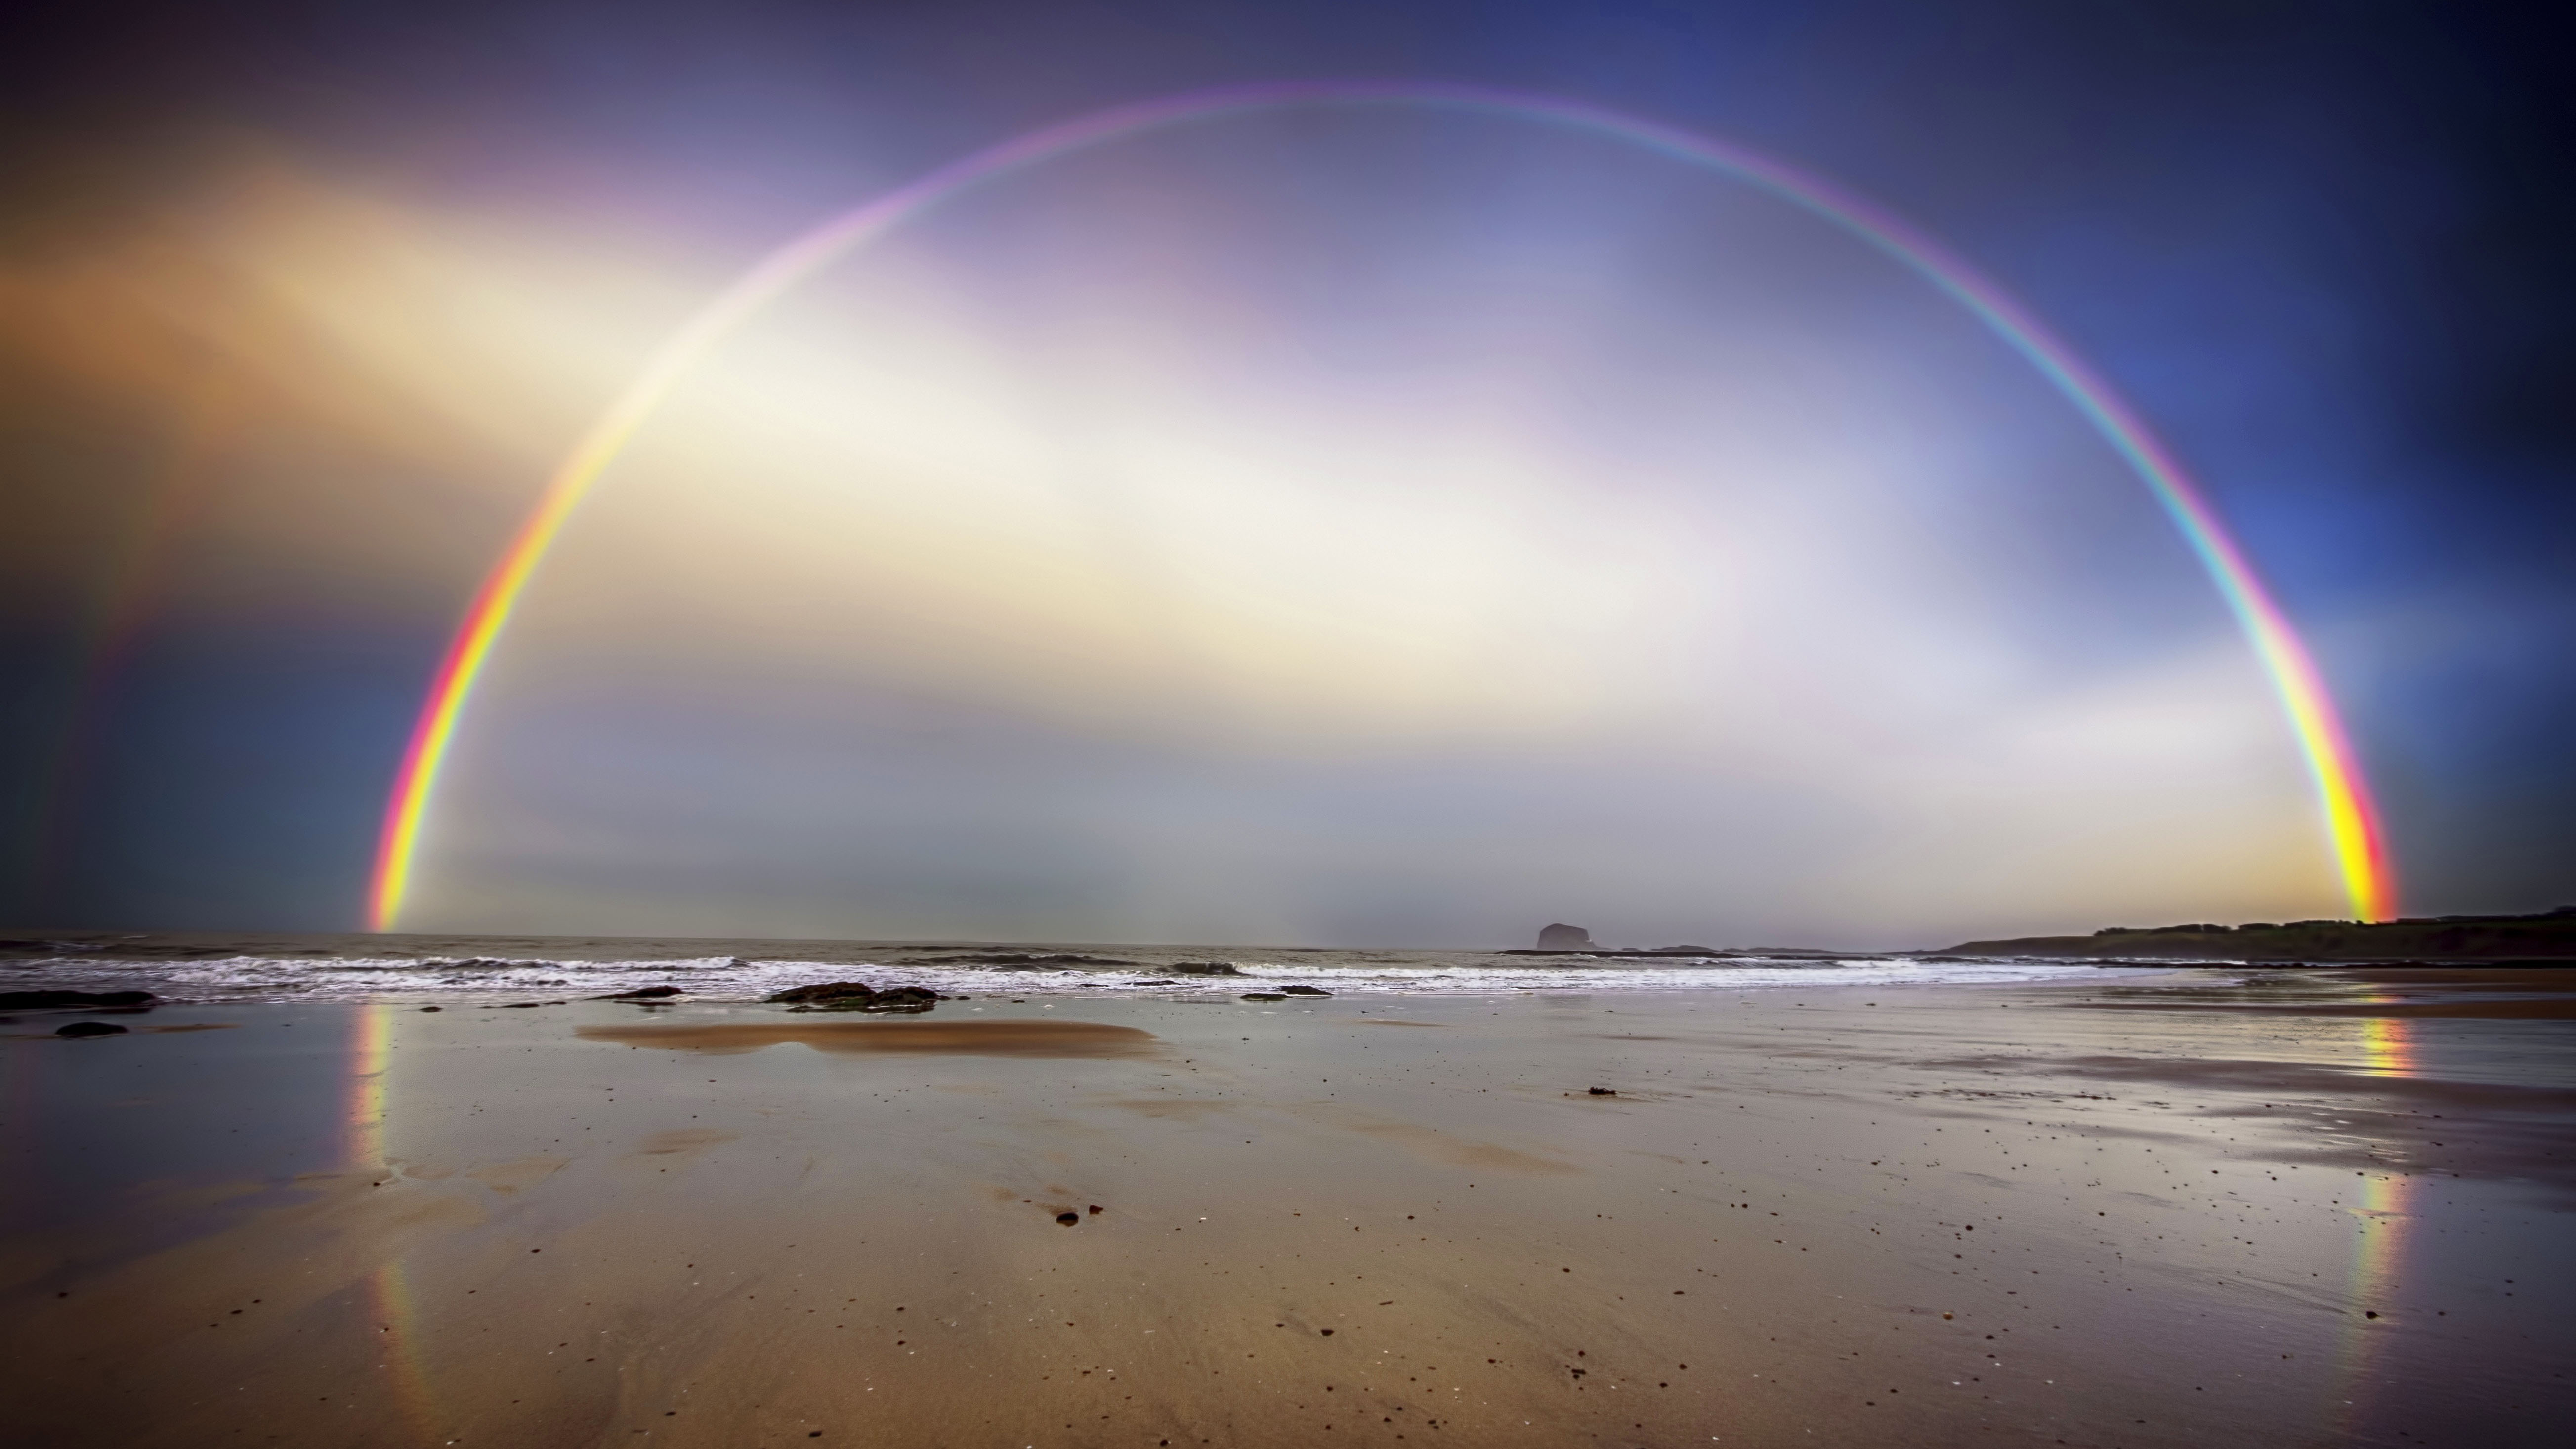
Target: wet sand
column 949, row 1036
column 2297, row 1211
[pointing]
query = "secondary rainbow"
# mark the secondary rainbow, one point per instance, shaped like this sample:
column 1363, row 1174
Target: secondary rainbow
column 2351, row 821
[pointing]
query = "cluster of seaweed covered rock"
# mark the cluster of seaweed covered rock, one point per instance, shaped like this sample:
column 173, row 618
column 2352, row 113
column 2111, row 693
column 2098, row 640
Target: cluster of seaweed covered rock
column 858, row 996
column 123, row 1003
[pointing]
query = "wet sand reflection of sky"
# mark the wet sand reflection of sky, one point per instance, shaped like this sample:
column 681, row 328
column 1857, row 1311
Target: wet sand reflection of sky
column 2384, row 1218
column 391, row 1314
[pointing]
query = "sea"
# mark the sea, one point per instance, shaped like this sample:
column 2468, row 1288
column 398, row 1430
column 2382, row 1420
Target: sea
column 198, row 967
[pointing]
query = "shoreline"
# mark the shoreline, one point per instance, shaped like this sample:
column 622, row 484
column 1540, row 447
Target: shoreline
column 1194, row 972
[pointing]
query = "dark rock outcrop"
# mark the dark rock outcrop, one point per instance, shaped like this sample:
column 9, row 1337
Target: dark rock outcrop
column 825, row 991
column 643, row 993
column 1263, row 996
column 904, row 998
column 78, row 1029
column 858, row 996
column 1562, row 937
column 1305, row 991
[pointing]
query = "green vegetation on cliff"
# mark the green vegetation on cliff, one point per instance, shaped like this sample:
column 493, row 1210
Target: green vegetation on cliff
column 2444, row 938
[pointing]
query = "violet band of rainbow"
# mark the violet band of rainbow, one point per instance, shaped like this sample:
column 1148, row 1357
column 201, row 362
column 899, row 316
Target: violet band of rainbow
column 2351, row 821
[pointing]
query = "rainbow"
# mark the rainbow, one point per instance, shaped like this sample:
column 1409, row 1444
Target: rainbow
column 2351, row 822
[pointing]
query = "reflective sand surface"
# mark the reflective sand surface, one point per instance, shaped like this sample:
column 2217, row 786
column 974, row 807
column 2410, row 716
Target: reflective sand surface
column 2121, row 1212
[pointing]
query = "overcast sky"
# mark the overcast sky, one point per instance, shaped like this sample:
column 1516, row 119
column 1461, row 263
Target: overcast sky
column 1329, row 527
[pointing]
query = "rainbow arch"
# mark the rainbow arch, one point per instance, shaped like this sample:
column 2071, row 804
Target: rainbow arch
column 2351, row 819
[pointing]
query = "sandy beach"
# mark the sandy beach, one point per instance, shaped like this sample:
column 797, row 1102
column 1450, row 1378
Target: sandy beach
column 2219, row 1207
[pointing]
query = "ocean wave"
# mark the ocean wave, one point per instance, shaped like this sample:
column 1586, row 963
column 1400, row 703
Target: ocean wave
column 1035, row 972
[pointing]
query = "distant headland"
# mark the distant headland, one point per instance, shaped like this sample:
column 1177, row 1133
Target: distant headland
column 2547, row 937
column 2550, row 935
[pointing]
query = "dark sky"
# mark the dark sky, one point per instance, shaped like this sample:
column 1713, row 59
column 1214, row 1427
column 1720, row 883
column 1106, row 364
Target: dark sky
column 2321, row 247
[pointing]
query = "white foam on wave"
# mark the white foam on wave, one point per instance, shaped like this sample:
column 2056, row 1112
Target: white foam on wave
column 733, row 978
column 1683, row 975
